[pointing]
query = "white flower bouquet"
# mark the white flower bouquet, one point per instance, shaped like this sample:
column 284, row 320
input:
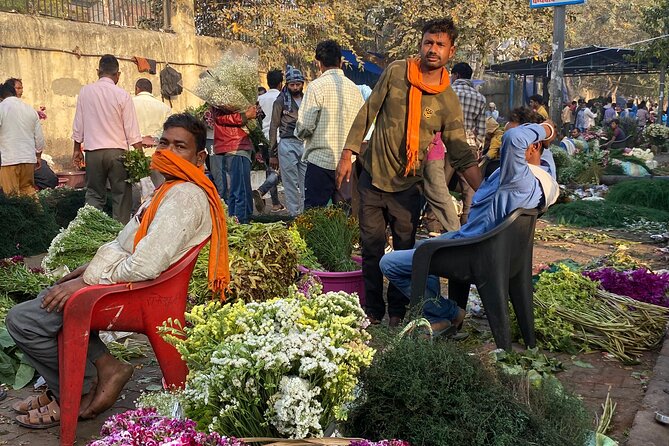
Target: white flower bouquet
column 231, row 84
column 657, row 131
column 643, row 154
column 280, row 368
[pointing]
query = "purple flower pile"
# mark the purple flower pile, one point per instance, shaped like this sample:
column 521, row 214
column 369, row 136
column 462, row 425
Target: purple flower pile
column 144, row 427
column 639, row 284
column 380, row 443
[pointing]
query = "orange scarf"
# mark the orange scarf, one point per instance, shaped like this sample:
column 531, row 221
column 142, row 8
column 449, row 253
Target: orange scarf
column 418, row 87
column 171, row 164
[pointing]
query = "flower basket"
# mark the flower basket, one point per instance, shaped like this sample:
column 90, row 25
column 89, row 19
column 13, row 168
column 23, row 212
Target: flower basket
column 347, row 281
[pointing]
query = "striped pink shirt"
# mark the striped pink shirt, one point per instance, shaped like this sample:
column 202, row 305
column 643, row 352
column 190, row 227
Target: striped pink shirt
column 105, row 117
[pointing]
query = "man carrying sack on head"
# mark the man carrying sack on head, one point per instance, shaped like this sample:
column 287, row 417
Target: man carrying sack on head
column 182, row 213
column 392, row 165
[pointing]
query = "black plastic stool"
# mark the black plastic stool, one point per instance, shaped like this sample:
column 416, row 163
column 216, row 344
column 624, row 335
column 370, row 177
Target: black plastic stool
column 498, row 262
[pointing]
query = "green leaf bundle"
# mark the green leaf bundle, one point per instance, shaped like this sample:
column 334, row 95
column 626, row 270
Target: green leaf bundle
column 263, row 263
column 330, row 233
column 137, row 164
column 603, row 214
column 78, row 243
column 647, row 193
column 571, row 314
column 27, row 227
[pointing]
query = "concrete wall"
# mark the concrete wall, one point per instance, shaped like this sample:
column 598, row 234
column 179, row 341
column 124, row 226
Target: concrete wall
column 39, row 51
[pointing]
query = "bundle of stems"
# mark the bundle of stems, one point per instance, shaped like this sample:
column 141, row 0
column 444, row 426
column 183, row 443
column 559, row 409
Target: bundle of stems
column 609, row 408
column 622, row 326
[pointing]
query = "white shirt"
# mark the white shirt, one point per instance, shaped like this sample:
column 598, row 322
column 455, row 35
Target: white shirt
column 20, row 132
column 151, row 114
column 175, row 229
column 266, row 102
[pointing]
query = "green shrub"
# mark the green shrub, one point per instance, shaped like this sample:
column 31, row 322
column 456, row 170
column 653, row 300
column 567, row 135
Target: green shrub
column 648, row 193
column 436, row 394
column 63, row 202
column 27, row 227
column 603, row 214
column 330, row 233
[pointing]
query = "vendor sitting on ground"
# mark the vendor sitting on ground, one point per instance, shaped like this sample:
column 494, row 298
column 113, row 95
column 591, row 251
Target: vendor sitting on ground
column 525, row 179
column 618, row 133
column 182, row 213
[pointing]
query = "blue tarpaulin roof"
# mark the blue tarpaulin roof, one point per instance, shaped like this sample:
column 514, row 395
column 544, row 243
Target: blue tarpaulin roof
column 369, row 73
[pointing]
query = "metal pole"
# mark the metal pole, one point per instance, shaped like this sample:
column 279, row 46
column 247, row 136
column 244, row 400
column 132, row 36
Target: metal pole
column 557, row 64
column 663, row 72
column 511, row 92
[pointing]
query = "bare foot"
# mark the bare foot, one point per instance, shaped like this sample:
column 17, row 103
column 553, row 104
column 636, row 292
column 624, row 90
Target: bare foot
column 86, row 401
column 112, row 377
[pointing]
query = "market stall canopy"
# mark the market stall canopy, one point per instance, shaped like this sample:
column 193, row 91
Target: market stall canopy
column 367, row 74
column 591, row 60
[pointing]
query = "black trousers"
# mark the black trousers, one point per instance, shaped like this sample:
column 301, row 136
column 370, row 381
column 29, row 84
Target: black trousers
column 379, row 209
column 320, row 188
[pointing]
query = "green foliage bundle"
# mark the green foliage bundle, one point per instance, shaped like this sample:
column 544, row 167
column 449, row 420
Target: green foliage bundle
column 27, row 227
column 63, row 202
column 14, row 371
column 19, row 282
column 78, row 243
column 571, row 314
column 436, row 394
column 263, row 263
column 330, row 233
column 137, row 164
column 603, row 214
column 198, row 112
column 647, row 193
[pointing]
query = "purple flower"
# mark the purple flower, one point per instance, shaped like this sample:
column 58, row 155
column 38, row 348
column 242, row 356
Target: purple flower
column 380, row 443
column 639, row 284
column 146, row 428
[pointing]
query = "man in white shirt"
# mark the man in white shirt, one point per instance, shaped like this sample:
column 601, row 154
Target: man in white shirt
column 151, row 113
column 21, row 143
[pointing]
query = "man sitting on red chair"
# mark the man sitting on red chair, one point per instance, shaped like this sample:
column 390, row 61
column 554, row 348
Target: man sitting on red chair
column 182, row 213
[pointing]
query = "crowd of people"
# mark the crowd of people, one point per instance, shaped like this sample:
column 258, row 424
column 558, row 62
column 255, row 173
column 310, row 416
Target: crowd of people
column 429, row 126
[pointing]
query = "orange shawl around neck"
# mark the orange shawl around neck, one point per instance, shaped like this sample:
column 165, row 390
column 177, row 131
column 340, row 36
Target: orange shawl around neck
column 184, row 171
column 418, row 87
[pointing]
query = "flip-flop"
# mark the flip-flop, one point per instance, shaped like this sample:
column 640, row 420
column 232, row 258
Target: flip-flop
column 42, row 418
column 33, row 402
column 3, row 394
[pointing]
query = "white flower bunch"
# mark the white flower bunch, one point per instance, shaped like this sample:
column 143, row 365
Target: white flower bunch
column 75, row 245
column 231, row 84
column 284, row 367
column 295, row 409
column 656, row 131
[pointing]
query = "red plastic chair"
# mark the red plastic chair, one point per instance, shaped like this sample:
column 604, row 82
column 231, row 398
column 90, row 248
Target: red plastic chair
column 139, row 307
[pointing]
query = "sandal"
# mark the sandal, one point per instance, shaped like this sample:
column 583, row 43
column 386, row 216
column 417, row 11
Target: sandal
column 42, row 418
column 33, row 402
column 3, row 394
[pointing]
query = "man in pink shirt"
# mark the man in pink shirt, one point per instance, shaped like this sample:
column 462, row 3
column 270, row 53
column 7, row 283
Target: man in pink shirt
column 106, row 124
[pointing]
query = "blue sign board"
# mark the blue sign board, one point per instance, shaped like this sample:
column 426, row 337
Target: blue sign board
column 547, row 3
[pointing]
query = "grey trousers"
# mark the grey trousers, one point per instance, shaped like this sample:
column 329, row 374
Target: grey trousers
column 435, row 189
column 293, row 170
column 103, row 165
column 35, row 332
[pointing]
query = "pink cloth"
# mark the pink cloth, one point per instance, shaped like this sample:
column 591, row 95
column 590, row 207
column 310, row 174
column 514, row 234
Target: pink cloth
column 105, row 117
column 436, row 149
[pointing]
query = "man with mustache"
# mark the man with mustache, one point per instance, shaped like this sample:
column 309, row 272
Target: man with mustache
column 391, row 167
